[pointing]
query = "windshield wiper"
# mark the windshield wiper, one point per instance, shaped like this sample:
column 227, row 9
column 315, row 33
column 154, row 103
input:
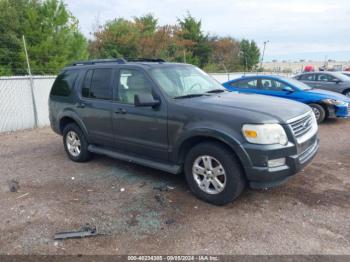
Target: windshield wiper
column 188, row 96
column 216, row 91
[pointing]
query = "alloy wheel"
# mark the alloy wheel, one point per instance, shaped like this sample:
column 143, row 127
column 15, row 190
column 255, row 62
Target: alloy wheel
column 73, row 143
column 209, row 174
column 316, row 112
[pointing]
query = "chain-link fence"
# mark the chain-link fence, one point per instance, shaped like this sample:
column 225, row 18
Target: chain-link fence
column 18, row 102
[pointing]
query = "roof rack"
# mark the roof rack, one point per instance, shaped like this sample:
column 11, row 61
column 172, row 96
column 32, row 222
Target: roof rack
column 118, row 60
column 155, row 60
column 100, row 61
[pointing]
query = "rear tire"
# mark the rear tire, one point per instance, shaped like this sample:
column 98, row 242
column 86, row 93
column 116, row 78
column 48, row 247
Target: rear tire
column 213, row 173
column 75, row 143
column 319, row 112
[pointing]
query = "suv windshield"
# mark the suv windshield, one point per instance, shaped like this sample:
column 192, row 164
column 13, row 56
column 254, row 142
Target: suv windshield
column 185, row 81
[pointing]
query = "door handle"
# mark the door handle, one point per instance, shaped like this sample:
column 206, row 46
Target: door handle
column 120, row 111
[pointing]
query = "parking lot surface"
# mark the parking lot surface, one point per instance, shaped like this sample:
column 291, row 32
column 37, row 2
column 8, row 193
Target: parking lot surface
column 144, row 211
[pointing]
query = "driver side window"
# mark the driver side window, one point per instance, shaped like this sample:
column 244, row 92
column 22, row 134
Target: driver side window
column 325, row 78
column 273, row 85
column 132, row 82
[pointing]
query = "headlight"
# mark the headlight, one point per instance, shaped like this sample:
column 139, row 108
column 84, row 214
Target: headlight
column 333, row 102
column 265, row 134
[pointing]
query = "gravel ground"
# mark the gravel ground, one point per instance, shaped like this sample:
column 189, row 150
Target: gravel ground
column 308, row 215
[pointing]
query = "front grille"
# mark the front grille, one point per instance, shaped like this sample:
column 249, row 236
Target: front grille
column 301, row 126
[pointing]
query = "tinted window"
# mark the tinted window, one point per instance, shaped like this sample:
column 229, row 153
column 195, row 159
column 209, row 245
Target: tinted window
column 97, row 84
column 307, row 77
column 248, row 83
column 325, row 78
column 131, row 83
column 87, row 84
column 64, row 83
column 271, row 84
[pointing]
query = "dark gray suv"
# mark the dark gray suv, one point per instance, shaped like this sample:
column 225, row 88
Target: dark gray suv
column 176, row 118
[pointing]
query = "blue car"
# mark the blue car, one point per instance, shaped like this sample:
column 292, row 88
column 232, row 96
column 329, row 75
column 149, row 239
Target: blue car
column 325, row 104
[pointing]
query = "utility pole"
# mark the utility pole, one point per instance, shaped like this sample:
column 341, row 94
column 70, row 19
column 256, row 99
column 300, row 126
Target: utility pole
column 31, row 85
column 228, row 75
column 262, row 58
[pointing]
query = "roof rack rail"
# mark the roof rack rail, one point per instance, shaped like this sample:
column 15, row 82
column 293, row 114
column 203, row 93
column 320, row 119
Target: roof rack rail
column 155, row 60
column 100, row 61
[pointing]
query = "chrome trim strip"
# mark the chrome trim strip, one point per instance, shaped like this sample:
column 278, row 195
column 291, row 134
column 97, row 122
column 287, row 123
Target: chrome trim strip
column 299, row 117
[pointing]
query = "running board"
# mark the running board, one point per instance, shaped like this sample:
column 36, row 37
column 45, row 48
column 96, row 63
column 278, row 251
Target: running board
column 174, row 169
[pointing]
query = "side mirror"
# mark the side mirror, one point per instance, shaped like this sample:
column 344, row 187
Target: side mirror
column 145, row 100
column 337, row 81
column 288, row 89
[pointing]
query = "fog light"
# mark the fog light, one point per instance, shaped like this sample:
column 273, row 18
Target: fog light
column 276, row 162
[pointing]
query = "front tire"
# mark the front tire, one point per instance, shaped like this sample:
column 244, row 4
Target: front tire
column 213, row 173
column 75, row 143
column 319, row 111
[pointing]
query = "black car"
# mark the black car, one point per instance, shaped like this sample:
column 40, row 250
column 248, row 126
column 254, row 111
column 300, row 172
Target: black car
column 176, row 118
column 331, row 81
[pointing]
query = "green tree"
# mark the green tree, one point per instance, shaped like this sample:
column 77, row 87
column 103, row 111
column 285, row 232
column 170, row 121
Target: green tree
column 191, row 30
column 52, row 36
column 249, row 54
column 146, row 24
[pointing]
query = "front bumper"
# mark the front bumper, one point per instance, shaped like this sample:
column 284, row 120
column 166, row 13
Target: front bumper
column 297, row 157
column 342, row 111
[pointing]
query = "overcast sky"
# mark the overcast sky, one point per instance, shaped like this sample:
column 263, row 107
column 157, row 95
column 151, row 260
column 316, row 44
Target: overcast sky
column 310, row 29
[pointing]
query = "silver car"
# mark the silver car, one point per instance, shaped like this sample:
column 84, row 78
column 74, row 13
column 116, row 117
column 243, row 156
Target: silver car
column 332, row 81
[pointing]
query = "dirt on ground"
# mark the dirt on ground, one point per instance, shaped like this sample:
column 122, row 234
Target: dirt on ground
column 144, row 211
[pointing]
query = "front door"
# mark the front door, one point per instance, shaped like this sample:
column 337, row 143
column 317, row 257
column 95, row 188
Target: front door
column 269, row 86
column 327, row 82
column 139, row 130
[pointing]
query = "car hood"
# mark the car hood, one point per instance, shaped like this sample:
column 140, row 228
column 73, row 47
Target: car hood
column 328, row 94
column 258, row 108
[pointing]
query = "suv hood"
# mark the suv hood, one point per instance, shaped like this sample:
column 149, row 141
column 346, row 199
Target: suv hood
column 259, row 108
column 324, row 94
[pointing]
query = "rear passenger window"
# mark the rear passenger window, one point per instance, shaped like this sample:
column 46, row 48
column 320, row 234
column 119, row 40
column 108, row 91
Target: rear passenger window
column 97, row 84
column 64, row 83
column 308, row 77
column 253, row 84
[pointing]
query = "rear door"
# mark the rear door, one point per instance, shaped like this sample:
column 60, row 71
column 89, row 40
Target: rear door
column 309, row 79
column 95, row 105
column 139, row 130
column 246, row 85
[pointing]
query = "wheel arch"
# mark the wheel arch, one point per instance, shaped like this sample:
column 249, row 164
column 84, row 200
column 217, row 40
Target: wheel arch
column 68, row 117
column 186, row 143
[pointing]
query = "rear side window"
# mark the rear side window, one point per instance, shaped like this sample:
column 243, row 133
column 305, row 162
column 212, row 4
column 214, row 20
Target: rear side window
column 64, row 83
column 308, row 77
column 247, row 83
column 97, row 84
